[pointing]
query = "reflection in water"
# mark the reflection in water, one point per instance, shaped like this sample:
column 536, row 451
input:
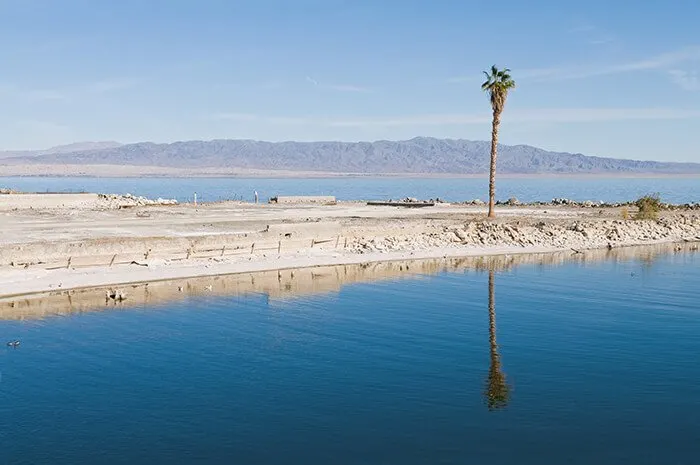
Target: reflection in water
column 289, row 284
column 497, row 389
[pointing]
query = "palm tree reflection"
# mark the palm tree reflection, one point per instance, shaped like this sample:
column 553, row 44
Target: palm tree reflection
column 497, row 390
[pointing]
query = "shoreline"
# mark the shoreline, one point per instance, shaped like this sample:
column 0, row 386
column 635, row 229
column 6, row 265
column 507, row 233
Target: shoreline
column 93, row 241
column 159, row 172
column 74, row 279
column 288, row 280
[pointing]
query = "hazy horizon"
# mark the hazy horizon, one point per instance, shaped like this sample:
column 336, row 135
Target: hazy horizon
column 118, row 143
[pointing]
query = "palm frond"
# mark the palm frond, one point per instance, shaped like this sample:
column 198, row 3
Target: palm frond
column 498, row 83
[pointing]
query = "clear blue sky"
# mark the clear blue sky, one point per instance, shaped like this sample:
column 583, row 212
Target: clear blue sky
column 609, row 78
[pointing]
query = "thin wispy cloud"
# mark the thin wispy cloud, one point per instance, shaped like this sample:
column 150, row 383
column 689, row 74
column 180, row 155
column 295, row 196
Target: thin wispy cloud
column 45, row 129
column 251, row 117
column 601, row 40
column 347, row 88
column 664, row 60
column 311, row 81
column 554, row 115
column 272, row 84
column 571, row 72
column 582, row 27
column 689, row 81
column 45, row 95
column 591, row 34
column 337, row 87
column 23, row 95
column 112, row 85
column 545, row 115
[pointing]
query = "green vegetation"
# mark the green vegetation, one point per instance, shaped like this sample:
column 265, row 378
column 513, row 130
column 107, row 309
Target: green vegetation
column 648, row 207
column 625, row 212
column 498, row 84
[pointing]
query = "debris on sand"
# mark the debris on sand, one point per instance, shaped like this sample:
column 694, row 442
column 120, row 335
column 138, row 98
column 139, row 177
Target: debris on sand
column 409, row 202
column 116, row 201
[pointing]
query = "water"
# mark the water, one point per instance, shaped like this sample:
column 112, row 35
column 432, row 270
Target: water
column 675, row 190
column 577, row 363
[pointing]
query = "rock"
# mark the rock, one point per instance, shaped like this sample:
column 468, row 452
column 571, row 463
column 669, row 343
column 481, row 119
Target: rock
column 115, row 201
column 461, row 235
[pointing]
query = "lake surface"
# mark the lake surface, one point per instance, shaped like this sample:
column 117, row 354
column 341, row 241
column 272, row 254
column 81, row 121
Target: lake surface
column 577, row 363
column 675, row 190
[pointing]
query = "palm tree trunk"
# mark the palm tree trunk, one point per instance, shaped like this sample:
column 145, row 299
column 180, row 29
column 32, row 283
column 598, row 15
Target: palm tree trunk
column 494, row 155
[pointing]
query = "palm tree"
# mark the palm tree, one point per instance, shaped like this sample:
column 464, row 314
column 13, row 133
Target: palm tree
column 498, row 83
column 497, row 390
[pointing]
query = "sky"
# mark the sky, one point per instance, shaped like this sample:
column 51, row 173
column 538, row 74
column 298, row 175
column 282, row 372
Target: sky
column 612, row 78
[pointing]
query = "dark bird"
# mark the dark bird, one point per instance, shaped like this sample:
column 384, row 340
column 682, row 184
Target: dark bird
column 13, row 344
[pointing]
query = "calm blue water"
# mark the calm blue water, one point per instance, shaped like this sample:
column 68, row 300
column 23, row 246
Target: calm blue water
column 675, row 190
column 600, row 363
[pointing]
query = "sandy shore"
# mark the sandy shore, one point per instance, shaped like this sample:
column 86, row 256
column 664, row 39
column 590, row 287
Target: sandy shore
column 280, row 286
column 93, row 242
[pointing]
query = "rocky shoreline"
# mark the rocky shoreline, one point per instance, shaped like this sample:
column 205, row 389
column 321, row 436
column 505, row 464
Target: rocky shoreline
column 558, row 202
column 116, row 201
column 575, row 235
column 105, row 240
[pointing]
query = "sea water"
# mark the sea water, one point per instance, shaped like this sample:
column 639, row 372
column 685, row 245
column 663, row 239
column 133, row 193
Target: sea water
column 671, row 189
column 577, row 363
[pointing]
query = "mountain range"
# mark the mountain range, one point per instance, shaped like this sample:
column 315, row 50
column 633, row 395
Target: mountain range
column 419, row 155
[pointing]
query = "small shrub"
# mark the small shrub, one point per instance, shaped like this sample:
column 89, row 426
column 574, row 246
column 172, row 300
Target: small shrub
column 648, row 207
column 625, row 212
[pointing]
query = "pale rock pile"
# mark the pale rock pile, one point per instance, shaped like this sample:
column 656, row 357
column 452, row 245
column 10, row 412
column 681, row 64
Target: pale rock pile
column 575, row 235
column 116, row 201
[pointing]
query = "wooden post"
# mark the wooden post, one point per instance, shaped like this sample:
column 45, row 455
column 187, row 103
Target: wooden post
column 346, row 243
column 312, row 242
column 279, row 246
column 113, row 258
column 337, row 241
column 223, row 249
column 252, row 248
column 69, row 260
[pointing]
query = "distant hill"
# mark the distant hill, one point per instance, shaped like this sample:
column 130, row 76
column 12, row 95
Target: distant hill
column 70, row 148
column 418, row 155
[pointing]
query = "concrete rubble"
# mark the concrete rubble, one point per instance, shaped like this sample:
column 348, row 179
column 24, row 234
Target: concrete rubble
column 116, row 201
column 578, row 235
